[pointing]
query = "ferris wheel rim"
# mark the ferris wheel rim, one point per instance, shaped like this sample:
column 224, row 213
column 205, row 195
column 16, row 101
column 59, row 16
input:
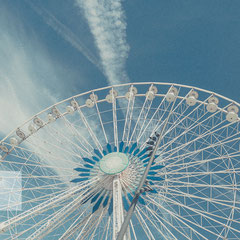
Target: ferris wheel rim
column 119, row 85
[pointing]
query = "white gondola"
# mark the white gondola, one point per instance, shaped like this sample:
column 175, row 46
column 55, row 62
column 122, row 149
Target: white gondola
column 32, row 129
column 232, row 114
column 38, row 121
column 172, row 94
column 20, row 134
column 150, row 95
column 70, row 109
column 51, row 118
column 89, row 103
column 192, row 97
column 13, row 141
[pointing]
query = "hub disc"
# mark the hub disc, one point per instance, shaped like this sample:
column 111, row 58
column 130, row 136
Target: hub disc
column 114, row 163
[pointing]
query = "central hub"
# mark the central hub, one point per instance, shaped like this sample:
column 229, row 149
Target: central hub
column 114, row 163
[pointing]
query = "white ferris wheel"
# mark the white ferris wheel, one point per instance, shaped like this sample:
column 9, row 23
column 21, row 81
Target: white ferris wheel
column 73, row 170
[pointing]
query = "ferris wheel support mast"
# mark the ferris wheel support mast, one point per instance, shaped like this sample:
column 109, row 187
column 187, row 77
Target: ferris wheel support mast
column 142, row 182
column 117, row 207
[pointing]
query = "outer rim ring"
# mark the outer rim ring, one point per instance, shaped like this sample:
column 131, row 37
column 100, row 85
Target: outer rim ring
column 121, row 85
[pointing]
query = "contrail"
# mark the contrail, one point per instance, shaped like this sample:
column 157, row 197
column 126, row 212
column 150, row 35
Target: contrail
column 108, row 26
column 68, row 35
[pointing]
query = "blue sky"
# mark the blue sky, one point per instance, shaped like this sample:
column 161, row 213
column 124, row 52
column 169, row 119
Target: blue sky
column 51, row 50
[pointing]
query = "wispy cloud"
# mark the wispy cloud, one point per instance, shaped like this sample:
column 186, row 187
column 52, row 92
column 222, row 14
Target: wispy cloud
column 25, row 72
column 65, row 33
column 22, row 94
column 25, row 68
column 108, row 26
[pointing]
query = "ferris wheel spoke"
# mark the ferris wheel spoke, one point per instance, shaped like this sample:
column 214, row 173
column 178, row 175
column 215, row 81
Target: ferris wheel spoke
column 75, row 132
column 106, row 228
column 22, row 153
column 46, row 150
column 210, row 199
column 144, row 225
column 181, row 119
column 161, row 221
column 194, row 126
column 54, row 177
column 184, row 220
column 34, row 158
column 157, row 228
column 33, row 163
column 179, row 184
column 191, row 153
column 182, row 165
column 46, row 197
column 44, row 206
column 60, row 137
column 198, row 211
column 142, row 124
column 201, row 137
column 164, row 123
column 133, row 230
column 204, row 214
column 56, row 219
column 158, row 111
column 229, row 172
column 178, row 119
column 85, row 225
column 75, row 225
column 115, row 123
column 41, row 222
column 49, row 187
column 225, row 202
column 216, row 202
column 92, row 134
column 138, row 122
column 166, row 112
column 199, row 169
column 128, row 119
column 91, row 227
column 101, row 121
column 204, row 174
column 176, row 183
column 98, row 222
column 161, row 122
column 57, row 135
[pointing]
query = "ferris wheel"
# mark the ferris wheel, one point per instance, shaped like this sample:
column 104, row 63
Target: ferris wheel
column 72, row 171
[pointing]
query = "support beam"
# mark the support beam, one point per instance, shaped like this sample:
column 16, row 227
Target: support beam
column 117, row 207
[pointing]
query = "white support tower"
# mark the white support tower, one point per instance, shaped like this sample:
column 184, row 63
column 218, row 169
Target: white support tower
column 117, row 207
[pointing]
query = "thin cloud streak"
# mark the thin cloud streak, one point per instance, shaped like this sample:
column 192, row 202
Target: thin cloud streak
column 21, row 92
column 22, row 60
column 108, row 26
column 65, row 33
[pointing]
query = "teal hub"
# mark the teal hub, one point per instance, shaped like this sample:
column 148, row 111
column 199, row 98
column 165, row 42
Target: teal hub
column 114, row 163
